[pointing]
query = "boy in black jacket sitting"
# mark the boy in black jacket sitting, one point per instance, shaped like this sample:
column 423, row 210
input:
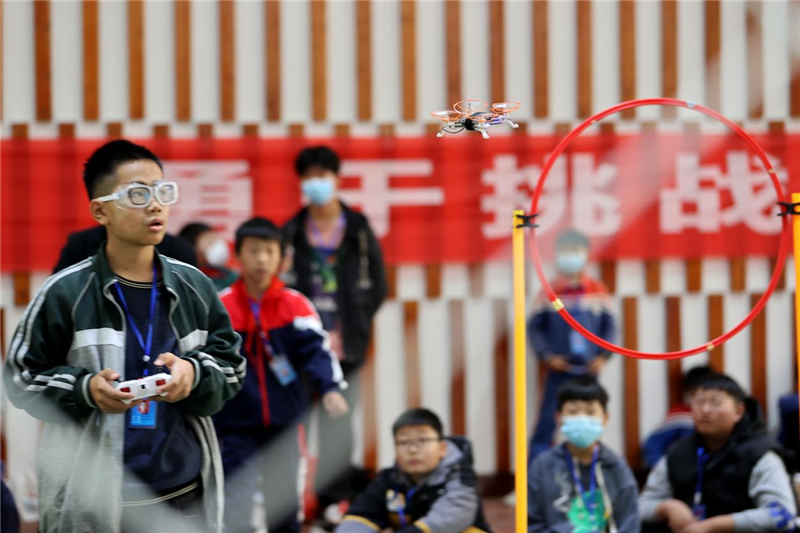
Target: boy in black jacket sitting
column 430, row 488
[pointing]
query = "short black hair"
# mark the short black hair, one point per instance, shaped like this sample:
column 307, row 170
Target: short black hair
column 105, row 160
column 418, row 417
column 720, row 382
column 571, row 237
column 260, row 228
column 583, row 389
column 317, row 156
column 694, row 377
column 192, row 231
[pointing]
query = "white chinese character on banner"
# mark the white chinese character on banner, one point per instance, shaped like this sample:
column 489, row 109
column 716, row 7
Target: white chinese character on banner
column 218, row 193
column 696, row 201
column 594, row 211
column 376, row 197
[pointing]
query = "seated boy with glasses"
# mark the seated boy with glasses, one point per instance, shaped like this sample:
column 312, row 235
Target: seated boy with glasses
column 431, row 487
column 727, row 476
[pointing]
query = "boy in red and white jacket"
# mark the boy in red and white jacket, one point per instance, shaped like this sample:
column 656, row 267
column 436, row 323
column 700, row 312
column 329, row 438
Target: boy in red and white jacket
column 287, row 350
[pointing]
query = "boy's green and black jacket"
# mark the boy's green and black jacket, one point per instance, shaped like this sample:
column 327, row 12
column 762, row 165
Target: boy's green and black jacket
column 445, row 501
column 73, row 329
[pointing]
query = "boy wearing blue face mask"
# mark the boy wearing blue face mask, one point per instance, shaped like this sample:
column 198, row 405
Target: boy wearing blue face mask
column 582, row 486
column 336, row 262
column 566, row 352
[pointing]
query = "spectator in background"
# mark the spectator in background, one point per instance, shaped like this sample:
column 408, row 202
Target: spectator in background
column 789, row 435
column 287, row 350
column 678, row 423
column 431, row 487
column 582, row 486
column 726, row 476
column 336, row 262
column 212, row 253
column 85, row 243
column 565, row 351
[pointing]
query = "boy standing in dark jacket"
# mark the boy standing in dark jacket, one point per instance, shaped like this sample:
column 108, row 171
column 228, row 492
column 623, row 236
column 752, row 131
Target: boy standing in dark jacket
column 430, row 488
column 582, row 486
column 126, row 313
column 285, row 345
column 336, row 263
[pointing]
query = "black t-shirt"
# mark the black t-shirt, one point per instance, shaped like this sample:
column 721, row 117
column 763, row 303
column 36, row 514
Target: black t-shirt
column 169, row 455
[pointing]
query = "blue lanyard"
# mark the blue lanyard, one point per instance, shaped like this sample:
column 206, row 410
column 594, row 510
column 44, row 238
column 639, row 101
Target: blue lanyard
column 146, row 346
column 401, row 510
column 255, row 308
column 702, row 457
column 576, row 478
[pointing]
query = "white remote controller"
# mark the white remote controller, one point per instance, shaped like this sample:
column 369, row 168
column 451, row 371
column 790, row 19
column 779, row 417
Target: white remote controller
column 144, row 387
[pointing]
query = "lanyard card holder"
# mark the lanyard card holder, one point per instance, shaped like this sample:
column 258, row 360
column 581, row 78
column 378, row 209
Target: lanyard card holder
column 282, row 369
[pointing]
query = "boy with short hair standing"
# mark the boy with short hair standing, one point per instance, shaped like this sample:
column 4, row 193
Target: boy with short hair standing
column 126, row 313
column 286, row 347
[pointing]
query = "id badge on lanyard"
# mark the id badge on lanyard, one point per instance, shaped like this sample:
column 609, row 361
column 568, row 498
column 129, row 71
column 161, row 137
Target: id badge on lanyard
column 279, row 364
column 144, row 415
column 698, row 507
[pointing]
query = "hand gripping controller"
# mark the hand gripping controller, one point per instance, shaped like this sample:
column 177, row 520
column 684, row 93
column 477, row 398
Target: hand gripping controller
column 144, row 387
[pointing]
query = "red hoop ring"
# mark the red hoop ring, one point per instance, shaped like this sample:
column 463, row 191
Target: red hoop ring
column 776, row 274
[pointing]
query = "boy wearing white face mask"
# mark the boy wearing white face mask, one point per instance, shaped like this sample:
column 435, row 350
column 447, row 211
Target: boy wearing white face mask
column 213, row 253
column 582, row 486
column 336, row 262
column 566, row 352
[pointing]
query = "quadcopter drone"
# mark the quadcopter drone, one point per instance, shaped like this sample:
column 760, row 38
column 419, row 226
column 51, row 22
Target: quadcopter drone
column 472, row 115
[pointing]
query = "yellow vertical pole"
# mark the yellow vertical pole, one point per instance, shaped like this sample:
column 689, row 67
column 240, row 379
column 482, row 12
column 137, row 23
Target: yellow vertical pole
column 796, row 233
column 520, row 377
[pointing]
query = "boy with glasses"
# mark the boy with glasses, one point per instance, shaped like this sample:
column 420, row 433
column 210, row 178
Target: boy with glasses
column 430, row 488
column 727, row 476
column 108, row 461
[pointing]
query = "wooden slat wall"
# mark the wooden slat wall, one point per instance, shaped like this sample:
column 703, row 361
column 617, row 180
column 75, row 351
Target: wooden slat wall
column 755, row 61
column 273, row 59
column 540, row 61
column 758, row 356
column 319, row 63
column 584, row 36
column 458, row 355
column 627, row 54
column 41, row 21
column 411, row 360
column 716, row 327
column 136, row 59
column 91, row 68
column 227, row 54
column 502, row 402
column 669, row 53
column 630, row 327
column 497, row 54
column 408, row 50
column 794, row 61
column 674, row 344
column 183, row 64
column 713, row 42
column 364, row 58
column 452, row 30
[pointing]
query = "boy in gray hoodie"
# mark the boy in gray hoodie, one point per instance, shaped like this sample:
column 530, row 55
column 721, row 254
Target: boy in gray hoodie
column 581, row 486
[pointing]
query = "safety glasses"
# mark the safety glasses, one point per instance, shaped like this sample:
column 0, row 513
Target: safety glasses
column 139, row 196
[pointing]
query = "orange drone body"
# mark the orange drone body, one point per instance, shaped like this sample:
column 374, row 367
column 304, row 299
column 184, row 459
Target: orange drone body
column 472, row 115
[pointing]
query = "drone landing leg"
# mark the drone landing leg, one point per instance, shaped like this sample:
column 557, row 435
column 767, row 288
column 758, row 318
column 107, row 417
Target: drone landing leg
column 512, row 123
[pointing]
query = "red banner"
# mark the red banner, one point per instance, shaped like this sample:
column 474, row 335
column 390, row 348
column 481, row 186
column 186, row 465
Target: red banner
column 430, row 200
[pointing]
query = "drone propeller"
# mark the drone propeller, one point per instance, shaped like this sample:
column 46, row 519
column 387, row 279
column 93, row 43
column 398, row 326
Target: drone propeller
column 470, row 106
column 447, row 115
column 505, row 107
column 482, row 116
